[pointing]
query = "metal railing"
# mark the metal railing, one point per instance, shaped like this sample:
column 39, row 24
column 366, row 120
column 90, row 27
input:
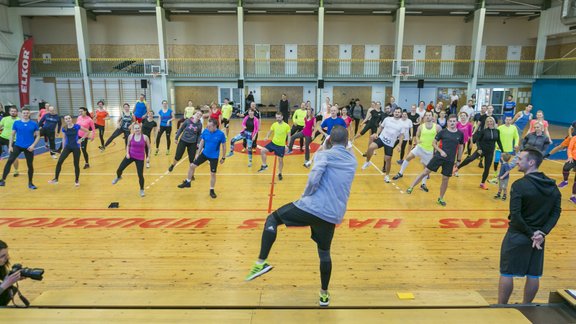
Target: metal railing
column 56, row 67
column 281, row 68
column 307, row 69
column 203, row 67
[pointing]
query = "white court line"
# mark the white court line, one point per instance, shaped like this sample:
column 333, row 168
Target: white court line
column 162, row 175
column 374, row 165
column 262, row 174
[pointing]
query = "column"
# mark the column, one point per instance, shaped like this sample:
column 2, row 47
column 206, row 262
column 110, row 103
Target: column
column 240, row 23
column 12, row 40
column 541, row 42
column 399, row 44
column 475, row 55
column 83, row 50
column 320, row 58
column 161, row 28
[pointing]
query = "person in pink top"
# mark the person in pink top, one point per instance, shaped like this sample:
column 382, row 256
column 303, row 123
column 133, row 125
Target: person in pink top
column 306, row 133
column 539, row 118
column 84, row 120
column 138, row 143
column 346, row 117
column 465, row 127
column 250, row 127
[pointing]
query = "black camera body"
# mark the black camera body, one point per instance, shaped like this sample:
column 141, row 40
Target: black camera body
column 32, row 273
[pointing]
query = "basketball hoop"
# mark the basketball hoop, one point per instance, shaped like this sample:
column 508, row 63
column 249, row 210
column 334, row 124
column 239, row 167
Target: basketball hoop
column 404, row 76
column 155, row 75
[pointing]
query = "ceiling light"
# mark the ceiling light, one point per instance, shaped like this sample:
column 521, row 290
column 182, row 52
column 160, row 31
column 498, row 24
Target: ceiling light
column 179, row 11
column 147, row 11
column 381, row 12
column 414, row 12
column 102, row 11
column 458, row 12
column 256, row 11
column 492, row 13
column 526, row 13
column 305, row 11
column 226, row 11
column 334, row 11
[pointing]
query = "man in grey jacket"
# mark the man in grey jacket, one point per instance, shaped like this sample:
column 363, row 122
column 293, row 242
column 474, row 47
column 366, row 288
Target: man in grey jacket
column 322, row 206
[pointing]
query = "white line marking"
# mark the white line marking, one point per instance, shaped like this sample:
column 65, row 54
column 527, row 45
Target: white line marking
column 374, row 165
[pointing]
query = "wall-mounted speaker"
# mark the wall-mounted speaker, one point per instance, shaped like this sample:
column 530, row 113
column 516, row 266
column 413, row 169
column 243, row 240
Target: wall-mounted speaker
column 143, row 83
column 320, row 84
column 420, row 83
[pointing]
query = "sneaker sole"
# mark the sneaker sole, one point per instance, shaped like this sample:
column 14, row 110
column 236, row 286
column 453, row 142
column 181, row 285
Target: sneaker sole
column 322, row 304
column 258, row 274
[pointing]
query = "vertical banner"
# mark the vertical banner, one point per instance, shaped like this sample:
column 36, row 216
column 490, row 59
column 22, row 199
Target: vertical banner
column 24, row 66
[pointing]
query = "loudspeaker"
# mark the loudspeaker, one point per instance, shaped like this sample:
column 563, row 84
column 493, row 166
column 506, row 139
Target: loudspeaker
column 320, row 84
column 240, row 84
column 420, row 83
column 143, row 83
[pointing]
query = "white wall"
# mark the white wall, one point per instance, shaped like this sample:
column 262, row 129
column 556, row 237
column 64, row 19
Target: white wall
column 280, row 30
column 203, row 30
column 53, row 30
column 339, row 29
column 120, row 30
column 40, row 90
column 516, row 31
column 437, row 31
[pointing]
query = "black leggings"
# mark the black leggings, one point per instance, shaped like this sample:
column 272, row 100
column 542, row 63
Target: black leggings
column 488, row 156
column 49, row 137
column 101, row 129
column 569, row 166
column 118, row 132
column 16, row 150
column 295, row 129
column 65, row 152
column 139, row 168
column 183, row 146
column 168, row 130
column 402, row 148
column 84, row 147
column 356, row 122
column 301, row 136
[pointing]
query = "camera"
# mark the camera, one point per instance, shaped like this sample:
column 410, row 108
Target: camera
column 32, row 273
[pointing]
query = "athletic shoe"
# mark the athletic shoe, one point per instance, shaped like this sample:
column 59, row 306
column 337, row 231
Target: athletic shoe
column 562, row 184
column 572, row 199
column 230, row 154
column 497, row 196
column 77, row 184
column 455, row 171
column 142, row 193
column 398, row 176
column 167, row 152
column 213, row 194
column 400, row 162
column 156, row 153
column 249, row 164
column 244, row 150
column 193, row 178
column 263, row 168
column 115, row 181
column 441, row 202
column 387, row 179
column 16, row 173
column 31, row 186
column 102, row 148
column 480, row 165
column 53, row 181
column 363, row 154
column 483, row 186
column 365, row 165
column 171, row 168
column 307, row 163
column 258, row 270
column 324, row 299
column 54, row 156
column 409, row 190
column 547, row 155
column 280, row 176
column 424, row 188
column 2, row 183
column 184, row 184
column 148, row 165
column 493, row 180
column 289, row 152
column 86, row 166
column 503, row 197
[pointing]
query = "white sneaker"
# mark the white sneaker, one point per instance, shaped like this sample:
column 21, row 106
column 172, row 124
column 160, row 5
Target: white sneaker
column 387, row 179
column 249, row 164
column 142, row 193
column 148, row 165
column 308, row 163
column 365, row 165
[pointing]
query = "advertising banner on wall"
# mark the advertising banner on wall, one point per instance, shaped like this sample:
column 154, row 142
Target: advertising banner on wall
column 24, row 66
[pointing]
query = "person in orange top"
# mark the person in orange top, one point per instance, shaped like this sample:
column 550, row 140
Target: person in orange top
column 568, row 166
column 100, row 117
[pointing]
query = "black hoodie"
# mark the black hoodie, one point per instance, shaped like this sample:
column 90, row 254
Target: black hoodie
column 534, row 204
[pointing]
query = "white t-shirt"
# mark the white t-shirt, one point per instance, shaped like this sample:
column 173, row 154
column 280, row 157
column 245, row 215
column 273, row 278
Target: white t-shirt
column 469, row 110
column 408, row 126
column 454, row 98
column 420, row 112
column 392, row 128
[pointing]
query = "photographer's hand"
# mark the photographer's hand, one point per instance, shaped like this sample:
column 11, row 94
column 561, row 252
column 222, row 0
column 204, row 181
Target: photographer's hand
column 10, row 280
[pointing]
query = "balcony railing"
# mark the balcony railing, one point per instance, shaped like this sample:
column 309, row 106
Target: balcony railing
column 307, row 69
column 281, row 68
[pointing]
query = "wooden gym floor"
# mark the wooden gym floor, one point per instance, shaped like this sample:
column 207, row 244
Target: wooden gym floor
column 182, row 239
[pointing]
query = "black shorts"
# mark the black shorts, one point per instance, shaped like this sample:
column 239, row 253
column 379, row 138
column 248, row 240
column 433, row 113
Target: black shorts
column 518, row 258
column 4, row 141
column 388, row 151
column 225, row 122
column 373, row 129
column 278, row 150
column 213, row 162
column 446, row 164
column 322, row 231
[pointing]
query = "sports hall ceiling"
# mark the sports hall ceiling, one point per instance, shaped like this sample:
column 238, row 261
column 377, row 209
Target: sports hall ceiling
column 527, row 8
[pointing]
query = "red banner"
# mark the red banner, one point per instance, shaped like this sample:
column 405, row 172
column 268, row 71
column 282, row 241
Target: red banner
column 24, row 66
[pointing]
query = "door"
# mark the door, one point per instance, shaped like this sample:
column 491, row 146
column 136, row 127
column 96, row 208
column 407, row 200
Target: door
column 514, row 54
column 262, row 56
column 345, row 57
column 291, row 56
column 448, row 53
column 371, row 57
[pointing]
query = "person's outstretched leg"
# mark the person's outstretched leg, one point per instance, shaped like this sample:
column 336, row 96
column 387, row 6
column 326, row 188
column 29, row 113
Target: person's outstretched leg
column 268, row 239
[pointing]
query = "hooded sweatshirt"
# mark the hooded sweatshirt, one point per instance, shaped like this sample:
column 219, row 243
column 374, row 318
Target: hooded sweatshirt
column 534, row 204
column 328, row 188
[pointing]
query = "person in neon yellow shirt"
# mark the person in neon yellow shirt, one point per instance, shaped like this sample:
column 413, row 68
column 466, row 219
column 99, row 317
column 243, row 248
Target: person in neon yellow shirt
column 6, row 132
column 278, row 144
column 226, row 114
column 510, row 143
column 298, row 123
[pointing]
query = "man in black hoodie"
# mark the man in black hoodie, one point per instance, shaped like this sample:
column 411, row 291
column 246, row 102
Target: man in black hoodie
column 534, row 211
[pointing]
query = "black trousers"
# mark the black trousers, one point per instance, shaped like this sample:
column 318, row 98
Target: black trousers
column 168, row 131
column 295, row 129
column 50, row 137
column 182, row 147
column 101, row 129
column 308, row 140
column 118, row 132
column 84, row 147
column 488, row 156
column 65, row 152
column 14, row 155
column 139, row 169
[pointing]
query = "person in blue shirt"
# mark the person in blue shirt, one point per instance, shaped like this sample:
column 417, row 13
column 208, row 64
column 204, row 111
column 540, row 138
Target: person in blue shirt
column 71, row 144
column 140, row 109
column 322, row 206
column 50, row 124
column 330, row 122
column 509, row 108
column 212, row 144
column 26, row 132
column 165, row 117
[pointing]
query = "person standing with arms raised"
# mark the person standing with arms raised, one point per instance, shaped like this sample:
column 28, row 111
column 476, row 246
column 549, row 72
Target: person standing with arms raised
column 140, row 109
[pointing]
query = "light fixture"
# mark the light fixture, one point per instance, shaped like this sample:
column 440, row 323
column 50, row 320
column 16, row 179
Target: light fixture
column 334, row 11
column 179, row 11
column 256, row 11
column 102, row 11
column 147, row 11
column 381, row 12
column 414, row 12
column 226, row 11
column 305, row 11
column 492, row 13
column 521, row 13
column 458, row 12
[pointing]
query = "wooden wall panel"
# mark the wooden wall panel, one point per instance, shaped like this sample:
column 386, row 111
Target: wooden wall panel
column 386, row 52
column 202, row 51
column 125, row 51
column 552, row 51
column 272, row 95
column 343, row 94
column 463, row 52
column 198, row 95
column 249, row 51
column 433, row 53
column 408, row 52
column 307, row 51
column 496, row 52
column 331, row 51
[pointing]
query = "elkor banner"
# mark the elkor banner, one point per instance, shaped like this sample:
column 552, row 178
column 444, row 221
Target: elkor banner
column 24, row 65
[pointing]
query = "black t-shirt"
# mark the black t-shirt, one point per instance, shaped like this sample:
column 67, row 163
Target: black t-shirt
column 284, row 106
column 449, row 142
column 250, row 124
column 482, row 120
column 147, row 127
